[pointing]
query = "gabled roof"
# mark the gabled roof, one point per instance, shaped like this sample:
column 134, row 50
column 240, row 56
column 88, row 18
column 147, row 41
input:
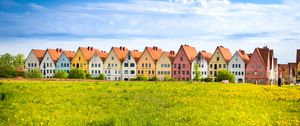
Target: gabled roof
column 298, row 56
column 205, row 55
column 88, row 52
column 55, row 54
column 101, row 54
column 136, row 54
column 264, row 53
column 69, row 54
column 225, row 53
column 190, row 52
column 171, row 55
column 243, row 55
column 155, row 52
column 39, row 54
column 121, row 52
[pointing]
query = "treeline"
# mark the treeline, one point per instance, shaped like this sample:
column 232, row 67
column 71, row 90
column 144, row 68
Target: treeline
column 11, row 65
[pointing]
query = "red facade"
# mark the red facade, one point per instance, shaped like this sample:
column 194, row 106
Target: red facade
column 258, row 67
column 182, row 63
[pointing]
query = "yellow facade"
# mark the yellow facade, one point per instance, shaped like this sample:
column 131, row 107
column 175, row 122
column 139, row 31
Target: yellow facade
column 79, row 61
column 146, row 65
column 216, row 63
column 163, row 66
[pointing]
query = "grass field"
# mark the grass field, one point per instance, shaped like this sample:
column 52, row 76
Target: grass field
column 146, row 103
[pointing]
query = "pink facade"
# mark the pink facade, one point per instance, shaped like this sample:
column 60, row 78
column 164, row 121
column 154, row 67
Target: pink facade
column 257, row 69
column 182, row 63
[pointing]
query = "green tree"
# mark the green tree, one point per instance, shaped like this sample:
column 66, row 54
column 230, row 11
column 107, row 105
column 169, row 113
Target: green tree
column 77, row 74
column 167, row 77
column 101, row 77
column 60, row 74
column 19, row 60
column 88, row 76
column 225, row 75
column 197, row 72
column 153, row 78
column 9, row 63
column 33, row 74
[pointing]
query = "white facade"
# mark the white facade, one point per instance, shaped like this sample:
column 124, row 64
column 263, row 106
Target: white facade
column 112, row 66
column 32, row 62
column 129, row 67
column 203, row 66
column 47, row 66
column 96, row 65
column 237, row 67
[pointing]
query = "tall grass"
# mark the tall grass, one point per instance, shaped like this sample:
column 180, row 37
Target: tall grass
column 147, row 103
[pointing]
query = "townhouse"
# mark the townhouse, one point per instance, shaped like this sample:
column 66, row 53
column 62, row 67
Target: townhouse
column 129, row 65
column 64, row 61
column 164, row 65
column 113, row 63
column 82, row 58
column 48, row 64
column 147, row 63
column 34, row 59
column 218, row 61
column 202, row 60
column 237, row 65
column 96, row 63
column 183, row 63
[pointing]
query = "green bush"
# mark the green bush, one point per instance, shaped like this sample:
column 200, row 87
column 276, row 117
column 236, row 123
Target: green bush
column 225, row 75
column 33, row 74
column 172, row 79
column 141, row 78
column 76, row 74
column 197, row 72
column 60, row 74
column 153, row 78
column 88, row 76
column 206, row 80
column 101, row 77
column 167, row 77
column 8, row 72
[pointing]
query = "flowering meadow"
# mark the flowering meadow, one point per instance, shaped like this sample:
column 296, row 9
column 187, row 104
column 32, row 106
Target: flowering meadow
column 38, row 102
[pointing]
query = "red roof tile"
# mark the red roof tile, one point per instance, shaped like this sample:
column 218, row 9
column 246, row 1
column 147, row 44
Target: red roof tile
column 136, row 54
column 101, row 54
column 70, row 54
column 88, row 52
column 225, row 52
column 39, row 54
column 243, row 55
column 190, row 52
column 121, row 52
column 206, row 55
column 155, row 52
column 55, row 54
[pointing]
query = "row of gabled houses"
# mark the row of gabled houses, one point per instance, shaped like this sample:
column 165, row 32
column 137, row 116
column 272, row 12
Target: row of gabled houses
column 122, row 64
column 290, row 72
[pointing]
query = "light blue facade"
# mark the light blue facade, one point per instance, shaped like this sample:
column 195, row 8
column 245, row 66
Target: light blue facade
column 63, row 63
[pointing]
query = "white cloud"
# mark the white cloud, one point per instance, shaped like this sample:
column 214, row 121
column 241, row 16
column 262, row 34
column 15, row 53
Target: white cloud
column 201, row 23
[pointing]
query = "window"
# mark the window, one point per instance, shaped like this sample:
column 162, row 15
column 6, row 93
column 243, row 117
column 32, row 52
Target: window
column 99, row 71
column 174, row 65
column 179, row 66
column 232, row 65
column 239, row 65
column 174, row 72
column 149, row 72
column 61, row 65
column 218, row 58
column 108, row 65
column 215, row 74
column 188, row 72
column 47, row 64
column 112, row 65
column 95, row 65
column 99, row 65
column 112, row 58
column 224, row 65
column 211, row 65
column 92, row 65
column 142, row 72
column 116, row 72
column 95, row 71
column 142, row 65
column 181, row 59
column 92, row 71
column 169, row 65
column 178, row 72
column 34, row 64
column 149, row 64
column 210, row 72
column 146, row 65
column 125, row 64
column 158, row 72
column 138, row 71
column 183, row 65
column 79, row 58
column 28, row 64
column 129, row 57
column 220, row 65
column 116, row 65
column 125, row 71
column 132, row 65
column 183, row 73
column 132, row 72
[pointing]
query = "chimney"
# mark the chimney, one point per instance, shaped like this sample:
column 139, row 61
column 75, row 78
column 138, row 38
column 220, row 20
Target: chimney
column 243, row 52
column 120, row 47
column 221, row 46
column 123, row 48
column 60, row 50
column 92, row 48
column 204, row 51
column 88, row 48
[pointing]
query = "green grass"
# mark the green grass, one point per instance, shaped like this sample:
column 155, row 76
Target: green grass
column 146, row 103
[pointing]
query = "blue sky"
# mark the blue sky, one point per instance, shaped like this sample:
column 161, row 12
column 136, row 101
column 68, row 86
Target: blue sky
column 204, row 24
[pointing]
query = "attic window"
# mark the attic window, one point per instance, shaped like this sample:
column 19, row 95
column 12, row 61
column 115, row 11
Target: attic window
column 181, row 59
column 47, row 58
column 112, row 58
column 146, row 58
column 79, row 58
column 218, row 59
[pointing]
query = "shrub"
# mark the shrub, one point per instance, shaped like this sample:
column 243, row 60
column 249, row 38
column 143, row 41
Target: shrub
column 153, row 78
column 60, row 74
column 197, row 72
column 33, row 74
column 141, row 78
column 101, row 77
column 76, row 73
column 88, row 76
column 206, row 80
column 167, row 77
column 225, row 75
column 172, row 79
